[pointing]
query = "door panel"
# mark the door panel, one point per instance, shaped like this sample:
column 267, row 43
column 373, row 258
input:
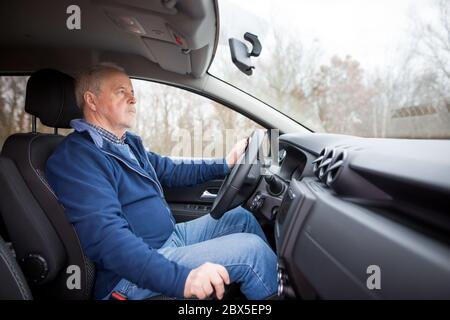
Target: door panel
column 192, row 202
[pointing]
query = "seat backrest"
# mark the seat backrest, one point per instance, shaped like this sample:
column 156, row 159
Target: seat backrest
column 13, row 284
column 39, row 249
column 45, row 242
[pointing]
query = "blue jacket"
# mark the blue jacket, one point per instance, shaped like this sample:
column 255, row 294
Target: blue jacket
column 118, row 209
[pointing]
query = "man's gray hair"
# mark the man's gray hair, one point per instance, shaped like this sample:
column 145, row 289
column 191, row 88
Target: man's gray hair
column 90, row 80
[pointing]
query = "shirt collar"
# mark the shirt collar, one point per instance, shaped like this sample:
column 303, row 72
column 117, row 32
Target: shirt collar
column 98, row 137
column 111, row 137
column 81, row 125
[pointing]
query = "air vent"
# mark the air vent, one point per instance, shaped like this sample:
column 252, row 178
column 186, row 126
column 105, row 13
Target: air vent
column 335, row 166
column 322, row 162
column 317, row 162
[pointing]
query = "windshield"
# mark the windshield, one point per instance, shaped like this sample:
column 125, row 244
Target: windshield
column 367, row 68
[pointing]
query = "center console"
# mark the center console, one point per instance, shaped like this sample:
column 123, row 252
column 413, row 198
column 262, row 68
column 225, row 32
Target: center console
column 295, row 207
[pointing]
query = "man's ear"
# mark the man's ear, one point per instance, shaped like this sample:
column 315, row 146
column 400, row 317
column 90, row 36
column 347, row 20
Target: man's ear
column 90, row 101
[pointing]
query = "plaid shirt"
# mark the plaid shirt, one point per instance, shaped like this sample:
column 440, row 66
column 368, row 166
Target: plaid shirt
column 108, row 135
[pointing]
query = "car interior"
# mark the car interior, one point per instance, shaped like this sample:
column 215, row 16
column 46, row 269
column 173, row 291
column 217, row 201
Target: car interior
column 332, row 206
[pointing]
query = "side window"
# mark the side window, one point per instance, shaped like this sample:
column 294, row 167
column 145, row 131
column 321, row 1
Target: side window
column 13, row 118
column 179, row 123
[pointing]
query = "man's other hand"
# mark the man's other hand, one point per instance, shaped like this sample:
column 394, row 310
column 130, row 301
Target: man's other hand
column 206, row 279
column 236, row 152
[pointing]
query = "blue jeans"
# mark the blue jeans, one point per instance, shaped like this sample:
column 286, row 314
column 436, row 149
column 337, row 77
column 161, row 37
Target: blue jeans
column 235, row 241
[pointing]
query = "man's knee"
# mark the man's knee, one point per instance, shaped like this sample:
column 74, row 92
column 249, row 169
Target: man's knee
column 245, row 216
column 253, row 244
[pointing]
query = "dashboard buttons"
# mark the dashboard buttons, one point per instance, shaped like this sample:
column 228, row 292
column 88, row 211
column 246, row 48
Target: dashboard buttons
column 257, row 202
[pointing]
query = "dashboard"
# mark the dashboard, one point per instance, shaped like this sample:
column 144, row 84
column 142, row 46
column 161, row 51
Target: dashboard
column 360, row 218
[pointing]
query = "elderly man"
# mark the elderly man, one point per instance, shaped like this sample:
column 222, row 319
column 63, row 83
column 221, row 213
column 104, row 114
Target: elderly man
column 111, row 189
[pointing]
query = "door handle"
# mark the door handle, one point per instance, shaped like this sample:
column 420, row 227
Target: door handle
column 208, row 195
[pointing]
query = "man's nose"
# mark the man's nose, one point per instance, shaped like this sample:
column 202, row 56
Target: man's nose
column 132, row 99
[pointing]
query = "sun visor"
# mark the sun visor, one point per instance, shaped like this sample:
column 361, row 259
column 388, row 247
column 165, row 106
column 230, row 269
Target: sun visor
column 169, row 56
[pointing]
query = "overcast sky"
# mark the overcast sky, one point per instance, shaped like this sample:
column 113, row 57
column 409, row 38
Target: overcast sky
column 372, row 31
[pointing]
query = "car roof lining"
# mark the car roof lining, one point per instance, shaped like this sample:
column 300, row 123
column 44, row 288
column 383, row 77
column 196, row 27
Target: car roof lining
column 41, row 26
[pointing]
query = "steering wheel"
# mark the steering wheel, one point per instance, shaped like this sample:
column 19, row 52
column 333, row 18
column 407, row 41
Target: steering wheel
column 242, row 179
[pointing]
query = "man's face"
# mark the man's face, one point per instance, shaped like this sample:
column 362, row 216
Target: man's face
column 116, row 102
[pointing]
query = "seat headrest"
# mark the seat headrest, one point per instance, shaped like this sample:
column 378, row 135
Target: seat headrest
column 50, row 96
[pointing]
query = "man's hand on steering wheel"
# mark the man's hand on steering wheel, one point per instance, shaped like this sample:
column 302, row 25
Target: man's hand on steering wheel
column 236, row 152
column 239, row 184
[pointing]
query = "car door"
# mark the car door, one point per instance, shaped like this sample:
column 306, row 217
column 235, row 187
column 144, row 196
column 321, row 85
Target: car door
column 181, row 124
